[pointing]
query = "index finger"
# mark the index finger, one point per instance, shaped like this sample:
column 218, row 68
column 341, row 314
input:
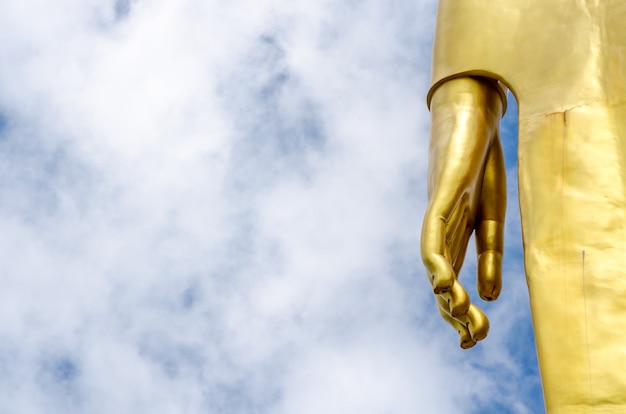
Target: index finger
column 432, row 246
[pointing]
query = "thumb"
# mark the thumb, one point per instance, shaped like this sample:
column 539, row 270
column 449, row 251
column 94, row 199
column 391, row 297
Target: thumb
column 489, row 241
column 490, row 226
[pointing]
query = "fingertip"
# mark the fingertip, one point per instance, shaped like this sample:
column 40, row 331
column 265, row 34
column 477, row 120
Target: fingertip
column 440, row 288
column 458, row 300
column 441, row 274
column 489, row 292
column 491, row 296
column 478, row 324
column 467, row 342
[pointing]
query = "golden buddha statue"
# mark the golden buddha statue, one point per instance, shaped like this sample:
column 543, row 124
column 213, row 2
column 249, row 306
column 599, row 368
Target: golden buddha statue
column 565, row 62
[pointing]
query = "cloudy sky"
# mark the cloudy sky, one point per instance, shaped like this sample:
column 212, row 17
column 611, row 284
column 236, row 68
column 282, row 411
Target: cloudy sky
column 212, row 206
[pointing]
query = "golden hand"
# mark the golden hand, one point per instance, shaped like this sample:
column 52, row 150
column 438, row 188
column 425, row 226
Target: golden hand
column 467, row 192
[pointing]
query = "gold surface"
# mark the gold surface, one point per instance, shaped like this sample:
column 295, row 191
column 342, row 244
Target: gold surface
column 565, row 61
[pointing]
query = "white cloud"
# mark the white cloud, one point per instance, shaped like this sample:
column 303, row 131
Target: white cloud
column 215, row 207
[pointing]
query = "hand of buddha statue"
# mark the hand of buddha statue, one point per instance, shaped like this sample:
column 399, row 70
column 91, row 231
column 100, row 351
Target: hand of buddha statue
column 467, row 193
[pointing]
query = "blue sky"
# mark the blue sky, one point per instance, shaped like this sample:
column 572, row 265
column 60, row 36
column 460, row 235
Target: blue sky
column 215, row 207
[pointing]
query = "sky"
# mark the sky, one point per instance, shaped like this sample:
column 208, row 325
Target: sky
column 215, row 206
